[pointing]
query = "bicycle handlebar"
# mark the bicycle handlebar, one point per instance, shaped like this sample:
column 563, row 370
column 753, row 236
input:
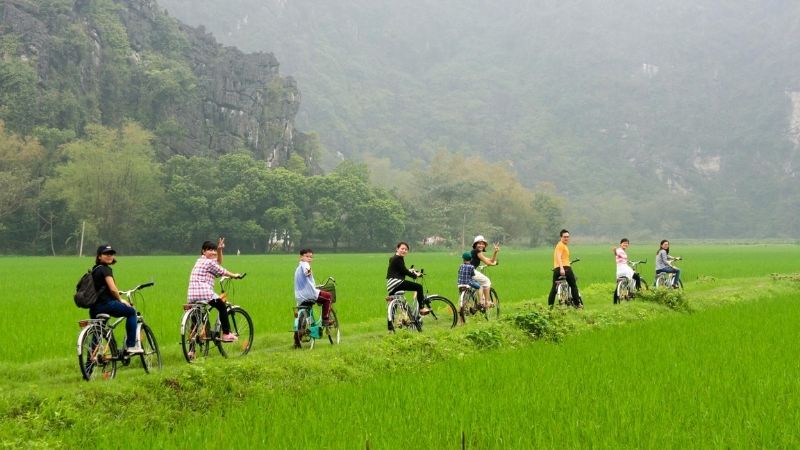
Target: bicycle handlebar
column 139, row 287
column 326, row 281
column 574, row 260
column 223, row 278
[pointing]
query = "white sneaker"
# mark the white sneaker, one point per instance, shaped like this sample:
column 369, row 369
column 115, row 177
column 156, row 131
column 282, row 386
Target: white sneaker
column 137, row 350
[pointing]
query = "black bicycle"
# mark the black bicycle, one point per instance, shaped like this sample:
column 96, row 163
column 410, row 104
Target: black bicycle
column 197, row 333
column 439, row 311
column 98, row 353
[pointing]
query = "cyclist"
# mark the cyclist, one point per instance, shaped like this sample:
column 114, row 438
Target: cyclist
column 201, row 283
column 466, row 272
column 305, row 289
column 479, row 245
column 396, row 278
column 561, row 268
column 664, row 263
column 623, row 269
column 109, row 301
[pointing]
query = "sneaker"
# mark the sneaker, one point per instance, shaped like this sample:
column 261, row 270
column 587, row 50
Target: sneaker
column 191, row 354
column 424, row 311
column 230, row 337
column 135, row 350
column 328, row 322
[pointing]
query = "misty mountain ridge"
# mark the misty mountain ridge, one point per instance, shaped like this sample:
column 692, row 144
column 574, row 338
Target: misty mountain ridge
column 656, row 118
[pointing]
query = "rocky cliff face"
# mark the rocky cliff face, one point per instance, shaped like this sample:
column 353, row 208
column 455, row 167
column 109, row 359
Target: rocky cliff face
column 231, row 100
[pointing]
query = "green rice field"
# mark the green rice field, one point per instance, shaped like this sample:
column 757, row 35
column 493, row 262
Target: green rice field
column 637, row 375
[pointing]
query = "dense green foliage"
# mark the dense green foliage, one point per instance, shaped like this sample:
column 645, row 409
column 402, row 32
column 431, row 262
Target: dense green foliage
column 630, row 108
column 109, row 187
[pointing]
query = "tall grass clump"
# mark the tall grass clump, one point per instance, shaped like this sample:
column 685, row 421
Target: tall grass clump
column 671, row 298
column 544, row 323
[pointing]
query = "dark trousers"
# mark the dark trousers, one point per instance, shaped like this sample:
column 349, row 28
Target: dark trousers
column 222, row 309
column 116, row 308
column 407, row 286
column 573, row 286
column 325, row 299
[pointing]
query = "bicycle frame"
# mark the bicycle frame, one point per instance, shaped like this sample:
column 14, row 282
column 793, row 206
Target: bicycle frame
column 561, row 282
column 102, row 330
column 308, row 328
column 314, row 325
column 666, row 279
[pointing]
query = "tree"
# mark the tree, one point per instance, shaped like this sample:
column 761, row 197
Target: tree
column 19, row 161
column 112, row 181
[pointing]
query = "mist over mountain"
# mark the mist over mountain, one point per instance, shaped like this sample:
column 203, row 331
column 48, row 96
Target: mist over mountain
column 651, row 118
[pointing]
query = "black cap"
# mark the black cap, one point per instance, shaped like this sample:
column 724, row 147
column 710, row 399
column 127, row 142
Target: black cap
column 105, row 248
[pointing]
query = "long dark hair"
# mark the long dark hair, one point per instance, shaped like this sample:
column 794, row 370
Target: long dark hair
column 660, row 247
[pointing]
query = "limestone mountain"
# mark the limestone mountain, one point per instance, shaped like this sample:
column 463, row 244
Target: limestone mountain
column 69, row 63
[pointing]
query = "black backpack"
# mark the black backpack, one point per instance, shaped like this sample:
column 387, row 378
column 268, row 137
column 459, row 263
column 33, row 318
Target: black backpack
column 85, row 293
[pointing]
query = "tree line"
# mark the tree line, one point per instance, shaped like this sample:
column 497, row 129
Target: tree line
column 109, row 186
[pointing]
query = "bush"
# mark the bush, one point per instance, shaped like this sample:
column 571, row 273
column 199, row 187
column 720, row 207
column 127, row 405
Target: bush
column 486, row 338
column 543, row 323
column 671, row 298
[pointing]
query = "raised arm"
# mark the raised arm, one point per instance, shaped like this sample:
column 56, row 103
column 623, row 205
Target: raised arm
column 220, row 246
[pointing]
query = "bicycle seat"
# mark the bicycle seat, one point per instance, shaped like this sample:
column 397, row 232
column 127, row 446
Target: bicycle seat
column 463, row 287
column 562, row 278
column 102, row 317
column 622, row 279
column 307, row 304
column 398, row 293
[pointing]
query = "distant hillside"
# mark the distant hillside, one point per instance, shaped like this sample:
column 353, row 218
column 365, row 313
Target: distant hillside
column 69, row 63
column 653, row 118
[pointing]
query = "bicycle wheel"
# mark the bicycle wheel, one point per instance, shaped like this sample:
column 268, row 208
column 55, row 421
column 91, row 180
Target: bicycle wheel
column 333, row 331
column 151, row 358
column 303, row 333
column 493, row 312
column 563, row 294
column 399, row 316
column 193, row 336
column 622, row 291
column 443, row 314
column 96, row 354
column 643, row 286
column 241, row 326
column 464, row 303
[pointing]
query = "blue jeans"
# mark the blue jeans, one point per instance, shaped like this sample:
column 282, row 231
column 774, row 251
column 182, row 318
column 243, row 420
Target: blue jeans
column 118, row 309
column 675, row 270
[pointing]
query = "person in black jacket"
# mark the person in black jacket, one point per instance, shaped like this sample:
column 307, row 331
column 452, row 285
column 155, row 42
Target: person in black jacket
column 109, row 302
column 396, row 277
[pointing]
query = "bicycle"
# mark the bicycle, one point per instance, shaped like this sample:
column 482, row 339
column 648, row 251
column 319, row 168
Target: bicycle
column 626, row 287
column 404, row 315
column 666, row 279
column 197, row 334
column 307, row 329
column 98, row 353
column 469, row 301
column 563, row 292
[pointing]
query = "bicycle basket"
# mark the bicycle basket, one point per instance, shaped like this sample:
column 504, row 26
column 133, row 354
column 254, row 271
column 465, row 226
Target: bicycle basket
column 329, row 287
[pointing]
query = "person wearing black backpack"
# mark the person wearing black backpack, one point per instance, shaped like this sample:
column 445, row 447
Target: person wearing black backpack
column 109, row 301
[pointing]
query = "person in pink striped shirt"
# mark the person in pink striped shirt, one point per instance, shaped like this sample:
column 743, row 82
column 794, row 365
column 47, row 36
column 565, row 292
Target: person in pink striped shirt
column 201, row 283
